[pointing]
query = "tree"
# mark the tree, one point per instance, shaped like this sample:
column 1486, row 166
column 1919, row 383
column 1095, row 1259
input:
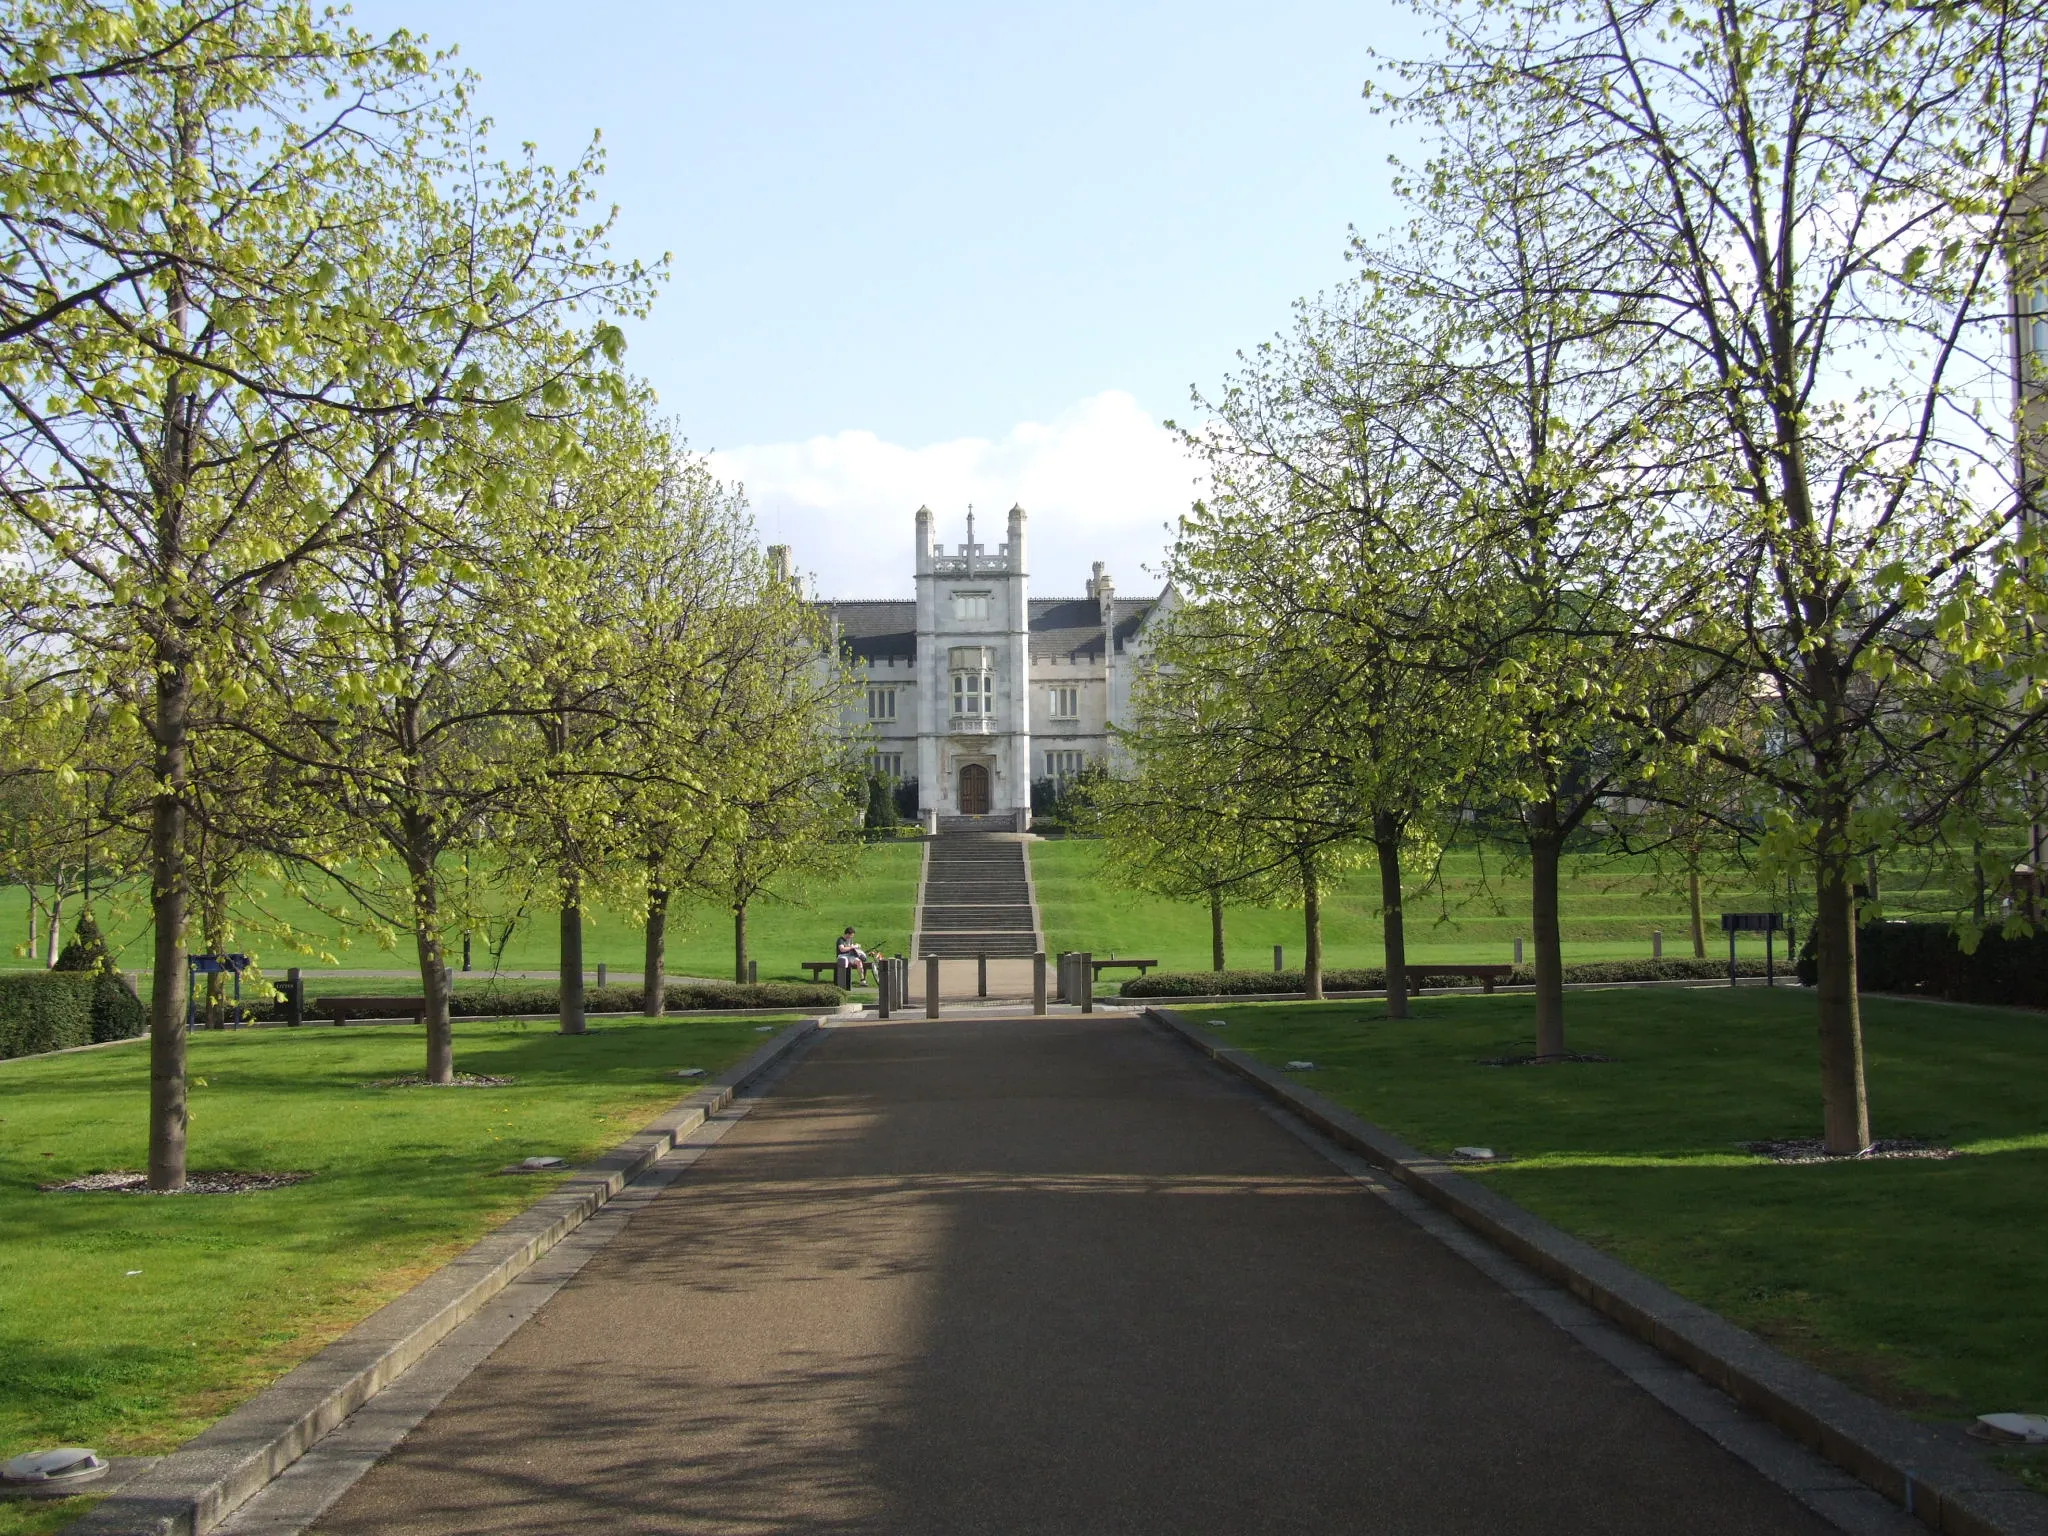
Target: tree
column 1326, row 521
column 1824, row 198
column 1160, row 825
column 178, row 453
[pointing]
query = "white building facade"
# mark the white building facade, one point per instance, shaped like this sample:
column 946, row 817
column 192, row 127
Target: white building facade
column 976, row 690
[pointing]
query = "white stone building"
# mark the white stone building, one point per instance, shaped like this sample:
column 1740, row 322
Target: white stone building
column 976, row 689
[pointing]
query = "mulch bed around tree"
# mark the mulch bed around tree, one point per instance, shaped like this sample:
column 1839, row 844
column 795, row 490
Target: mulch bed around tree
column 1811, row 1149
column 216, row 1182
column 462, row 1080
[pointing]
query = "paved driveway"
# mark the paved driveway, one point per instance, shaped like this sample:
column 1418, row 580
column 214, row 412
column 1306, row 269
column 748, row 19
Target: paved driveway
column 1041, row 1276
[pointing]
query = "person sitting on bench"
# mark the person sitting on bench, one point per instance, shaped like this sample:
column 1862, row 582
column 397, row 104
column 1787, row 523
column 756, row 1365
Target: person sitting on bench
column 852, row 956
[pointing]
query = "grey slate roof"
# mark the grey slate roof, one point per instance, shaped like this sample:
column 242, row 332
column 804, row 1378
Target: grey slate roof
column 1069, row 627
column 879, row 630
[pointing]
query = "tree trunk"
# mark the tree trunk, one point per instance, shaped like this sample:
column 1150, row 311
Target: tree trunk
column 654, row 974
column 56, row 930
column 1977, row 868
column 34, row 927
column 1845, row 1107
column 426, row 932
column 167, row 900
column 1216, row 956
column 1386, row 841
column 1544, row 846
column 739, row 942
column 1699, row 915
column 1312, row 930
column 572, row 954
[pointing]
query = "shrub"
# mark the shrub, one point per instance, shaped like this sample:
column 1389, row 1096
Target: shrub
column 117, row 1013
column 1927, row 960
column 1241, row 983
column 508, row 999
column 87, row 950
column 45, row 1011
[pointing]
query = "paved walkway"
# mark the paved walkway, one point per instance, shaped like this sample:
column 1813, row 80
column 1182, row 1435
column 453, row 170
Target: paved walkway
column 1048, row 1276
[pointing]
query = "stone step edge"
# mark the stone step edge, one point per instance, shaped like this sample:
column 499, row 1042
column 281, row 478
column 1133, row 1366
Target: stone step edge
column 203, row 1482
column 1945, row 1486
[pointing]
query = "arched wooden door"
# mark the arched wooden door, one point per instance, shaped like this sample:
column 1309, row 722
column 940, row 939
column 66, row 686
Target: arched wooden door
column 973, row 789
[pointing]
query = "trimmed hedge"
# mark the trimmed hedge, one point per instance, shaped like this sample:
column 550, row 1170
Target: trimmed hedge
column 1241, row 983
column 117, row 1013
column 505, row 999
column 1927, row 960
column 55, row 1010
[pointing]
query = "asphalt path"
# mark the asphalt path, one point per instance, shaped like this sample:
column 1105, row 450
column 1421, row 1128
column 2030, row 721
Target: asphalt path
column 1054, row 1276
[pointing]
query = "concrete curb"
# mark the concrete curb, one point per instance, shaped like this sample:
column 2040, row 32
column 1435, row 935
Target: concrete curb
column 196, row 1487
column 1944, row 1485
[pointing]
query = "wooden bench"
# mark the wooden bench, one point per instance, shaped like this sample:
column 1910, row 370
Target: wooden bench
column 340, row 1008
column 1099, row 966
column 815, row 967
column 1487, row 975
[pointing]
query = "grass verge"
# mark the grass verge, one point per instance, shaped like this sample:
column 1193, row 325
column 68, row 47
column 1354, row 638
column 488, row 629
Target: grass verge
column 878, row 895
column 1913, row 1280
column 1478, row 907
column 130, row 1322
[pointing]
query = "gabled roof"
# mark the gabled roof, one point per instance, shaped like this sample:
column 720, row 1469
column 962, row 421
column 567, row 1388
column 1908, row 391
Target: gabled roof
column 885, row 629
column 1071, row 627
column 882, row 629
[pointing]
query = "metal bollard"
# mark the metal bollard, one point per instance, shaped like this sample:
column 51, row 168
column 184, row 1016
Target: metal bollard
column 931, row 986
column 294, row 998
column 1084, row 977
column 1038, row 982
column 885, row 982
column 603, row 970
column 1656, row 943
column 981, row 975
column 1279, row 958
column 1518, row 951
column 753, row 974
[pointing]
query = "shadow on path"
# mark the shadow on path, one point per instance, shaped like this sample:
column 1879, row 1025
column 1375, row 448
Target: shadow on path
column 1047, row 1276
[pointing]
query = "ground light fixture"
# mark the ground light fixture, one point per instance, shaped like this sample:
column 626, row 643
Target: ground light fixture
column 62, row 1466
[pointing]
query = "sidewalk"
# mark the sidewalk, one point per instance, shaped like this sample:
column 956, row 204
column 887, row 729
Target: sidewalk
column 1041, row 1276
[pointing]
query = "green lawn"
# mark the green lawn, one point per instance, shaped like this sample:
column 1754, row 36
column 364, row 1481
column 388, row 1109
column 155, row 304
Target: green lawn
column 878, row 897
column 1480, row 906
column 1917, row 1281
column 129, row 1322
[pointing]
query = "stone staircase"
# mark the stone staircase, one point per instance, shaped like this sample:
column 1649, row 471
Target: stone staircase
column 976, row 897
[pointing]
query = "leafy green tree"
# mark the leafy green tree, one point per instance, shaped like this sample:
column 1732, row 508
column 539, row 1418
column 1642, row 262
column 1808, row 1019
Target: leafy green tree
column 1326, row 524
column 1824, row 199
column 336, row 260
column 1160, row 828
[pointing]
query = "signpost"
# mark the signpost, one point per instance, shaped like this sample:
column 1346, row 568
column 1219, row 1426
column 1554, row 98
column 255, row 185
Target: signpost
column 1766, row 923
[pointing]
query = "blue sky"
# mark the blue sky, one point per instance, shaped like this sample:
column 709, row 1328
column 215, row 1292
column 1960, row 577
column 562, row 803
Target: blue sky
column 942, row 253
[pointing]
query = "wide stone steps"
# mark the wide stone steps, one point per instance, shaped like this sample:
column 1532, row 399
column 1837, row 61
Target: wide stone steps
column 965, row 946
column 976, row 895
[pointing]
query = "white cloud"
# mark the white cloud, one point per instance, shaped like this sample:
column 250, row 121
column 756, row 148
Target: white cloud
column 1101, row 481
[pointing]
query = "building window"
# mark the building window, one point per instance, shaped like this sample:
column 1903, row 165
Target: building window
column 881, row 703
column 887, row 765
column 1062, row 766
column 2034, row 328
column 974, row 684
column 970, row 605
column 1066, row 703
